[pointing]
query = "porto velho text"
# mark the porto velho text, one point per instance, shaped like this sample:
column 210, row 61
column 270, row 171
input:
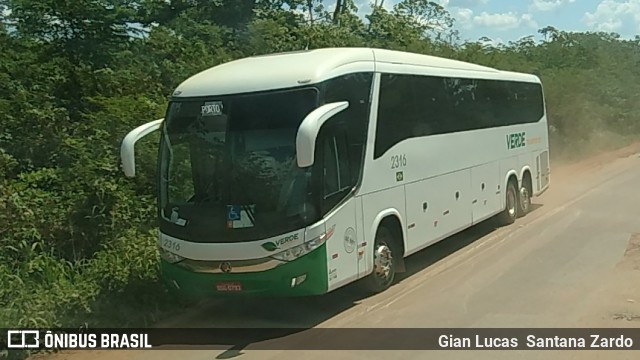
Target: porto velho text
column 534, row 342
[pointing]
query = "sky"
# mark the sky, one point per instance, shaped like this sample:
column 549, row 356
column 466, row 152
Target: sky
column 504, row 21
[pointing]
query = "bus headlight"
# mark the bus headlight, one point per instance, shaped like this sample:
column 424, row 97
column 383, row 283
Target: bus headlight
column 170, row 257
column 300, row 250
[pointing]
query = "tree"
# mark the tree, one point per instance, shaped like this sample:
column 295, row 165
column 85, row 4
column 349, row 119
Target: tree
column 549, row 33
column 429, row 16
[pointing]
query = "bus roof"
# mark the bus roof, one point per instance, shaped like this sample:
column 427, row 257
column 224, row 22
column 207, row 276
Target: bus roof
column 291, row 69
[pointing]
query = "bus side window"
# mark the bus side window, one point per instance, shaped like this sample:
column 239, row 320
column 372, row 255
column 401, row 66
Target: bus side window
column 337, row 177
column 356, row 89
column 330, row 168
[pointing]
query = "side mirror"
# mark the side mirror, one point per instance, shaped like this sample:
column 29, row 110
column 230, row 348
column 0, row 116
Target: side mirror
column 309, row 129
column 127, row 149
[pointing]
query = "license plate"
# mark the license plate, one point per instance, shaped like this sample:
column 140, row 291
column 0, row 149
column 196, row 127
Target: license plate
column 229, row 286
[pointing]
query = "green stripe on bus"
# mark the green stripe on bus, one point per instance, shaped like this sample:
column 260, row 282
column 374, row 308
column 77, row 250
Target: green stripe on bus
column 274, row 282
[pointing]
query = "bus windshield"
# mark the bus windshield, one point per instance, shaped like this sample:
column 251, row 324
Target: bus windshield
column 228, row 169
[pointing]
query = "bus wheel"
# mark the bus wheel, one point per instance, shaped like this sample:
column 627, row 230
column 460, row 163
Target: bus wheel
column 510, row 212
column 524, row 203
column 384, row 264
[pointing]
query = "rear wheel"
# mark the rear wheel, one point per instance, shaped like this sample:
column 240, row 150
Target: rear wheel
column 524, row 201
column 384, row 262
column 510, row 213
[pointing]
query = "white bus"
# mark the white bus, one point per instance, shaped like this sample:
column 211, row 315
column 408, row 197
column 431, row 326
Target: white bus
column 297, row 173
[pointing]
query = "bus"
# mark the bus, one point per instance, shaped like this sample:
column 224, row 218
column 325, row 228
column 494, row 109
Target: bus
column 295, row 174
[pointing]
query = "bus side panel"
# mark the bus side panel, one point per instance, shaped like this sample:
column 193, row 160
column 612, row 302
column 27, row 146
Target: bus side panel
column 342, row 249
column 485, row 191
column 421, row 208
column 377, row 206
column 436, row 208
column 507, row 166
column 541, row 176
column 527, row 162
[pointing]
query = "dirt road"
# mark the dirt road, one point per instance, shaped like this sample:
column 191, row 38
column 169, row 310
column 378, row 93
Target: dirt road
column 572, row 262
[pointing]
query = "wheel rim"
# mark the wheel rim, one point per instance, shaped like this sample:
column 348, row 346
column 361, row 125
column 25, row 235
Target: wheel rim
column 511, row 202
column 525, row 199
column 383, row 264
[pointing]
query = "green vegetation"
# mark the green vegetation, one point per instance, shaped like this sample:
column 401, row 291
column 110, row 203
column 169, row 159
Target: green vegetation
column 77, row 239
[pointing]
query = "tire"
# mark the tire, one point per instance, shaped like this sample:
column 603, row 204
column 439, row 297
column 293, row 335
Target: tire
column 384, row 262
column 524, row 200
column 510, row 213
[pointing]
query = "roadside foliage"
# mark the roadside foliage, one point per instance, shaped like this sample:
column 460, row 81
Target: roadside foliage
column 78, row 240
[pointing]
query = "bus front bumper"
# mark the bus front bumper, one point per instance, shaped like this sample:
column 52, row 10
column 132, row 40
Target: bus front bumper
column 304, row 276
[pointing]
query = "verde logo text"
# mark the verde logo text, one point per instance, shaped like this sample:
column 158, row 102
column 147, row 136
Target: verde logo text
column 275, row 245
column 516, row 140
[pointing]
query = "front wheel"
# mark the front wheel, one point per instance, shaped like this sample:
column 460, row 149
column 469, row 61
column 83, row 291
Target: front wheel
column 384, row 263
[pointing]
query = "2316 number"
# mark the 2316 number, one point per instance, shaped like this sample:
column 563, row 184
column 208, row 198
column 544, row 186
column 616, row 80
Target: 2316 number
column 398, row 161
column 170, row 245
